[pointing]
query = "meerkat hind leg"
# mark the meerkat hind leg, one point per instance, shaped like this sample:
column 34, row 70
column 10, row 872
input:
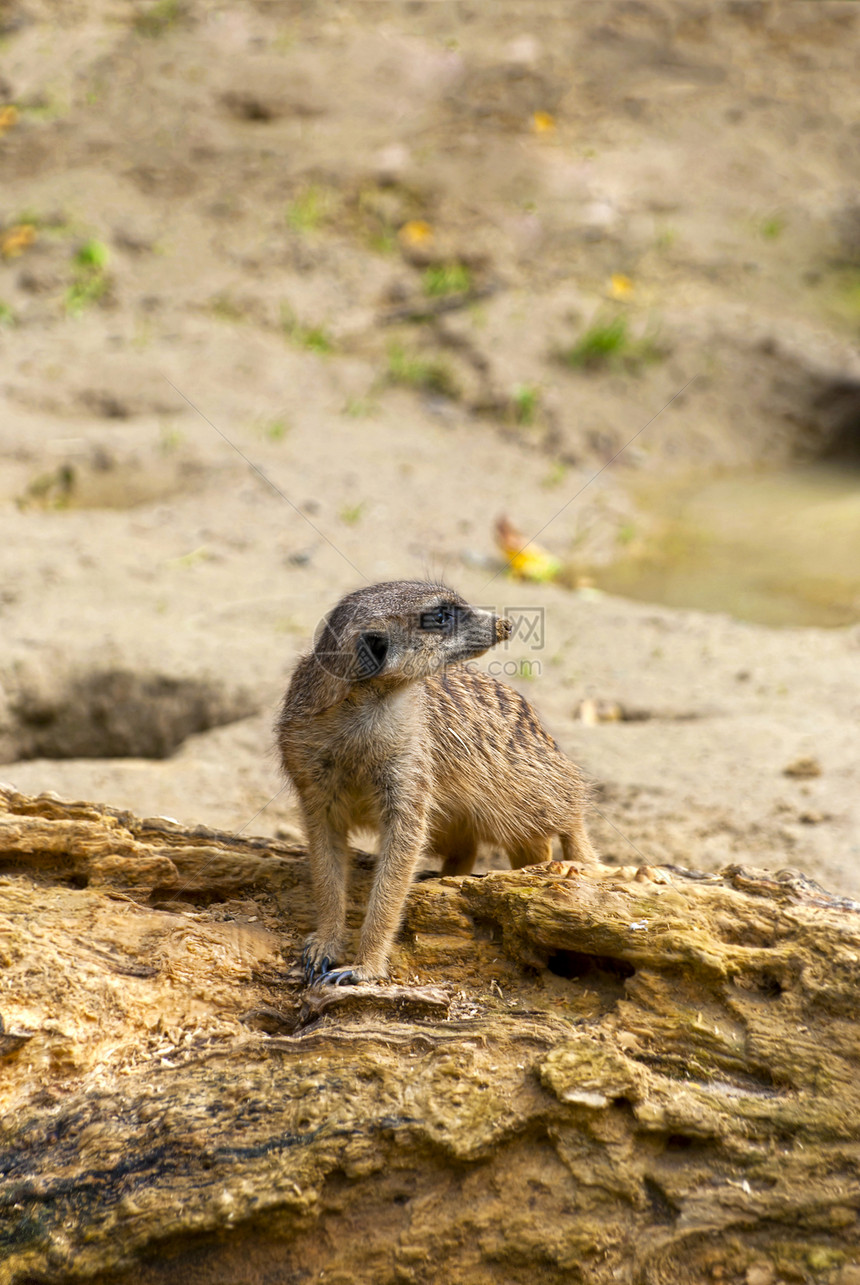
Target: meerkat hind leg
column 531, row 852
column 576, row 846
column 458, row 848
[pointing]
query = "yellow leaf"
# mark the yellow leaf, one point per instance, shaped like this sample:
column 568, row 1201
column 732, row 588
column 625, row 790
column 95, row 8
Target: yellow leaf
column 16, row 239
column 416, row 232
column 8, row 117
column 620, row 287
column 526, row 560
column 543, row 123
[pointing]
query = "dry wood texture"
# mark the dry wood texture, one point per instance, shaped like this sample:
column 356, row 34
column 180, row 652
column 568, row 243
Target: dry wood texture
column 628, row 1075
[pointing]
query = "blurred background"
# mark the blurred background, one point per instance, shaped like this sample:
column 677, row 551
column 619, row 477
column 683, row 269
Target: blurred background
column 299, row 294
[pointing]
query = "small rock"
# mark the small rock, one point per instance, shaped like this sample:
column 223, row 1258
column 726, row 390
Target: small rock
column 760, row 1274
column 300, row 558
column 598, row 218
column 804, row 766
column 523, row 49
column 591, row 711
column 651, row 874
column 391, row 162
column 483, row 561
column 587, row 712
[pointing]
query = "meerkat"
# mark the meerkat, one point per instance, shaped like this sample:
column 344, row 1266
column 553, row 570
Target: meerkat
column 383, row 726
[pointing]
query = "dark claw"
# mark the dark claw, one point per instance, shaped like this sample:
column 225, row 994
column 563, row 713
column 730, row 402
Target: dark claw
column 338, row 977
column 322, row 971
column 310, row 968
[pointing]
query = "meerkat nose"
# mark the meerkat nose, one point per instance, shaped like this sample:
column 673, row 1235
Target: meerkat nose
column 503, row 629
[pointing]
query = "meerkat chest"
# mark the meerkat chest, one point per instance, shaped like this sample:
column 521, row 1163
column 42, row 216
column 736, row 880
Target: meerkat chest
column 362, row 737
column 357, row 755
column 378, row 728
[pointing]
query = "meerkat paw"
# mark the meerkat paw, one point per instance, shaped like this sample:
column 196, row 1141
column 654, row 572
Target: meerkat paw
column 338, row 977
column 318, row 957
column 351, row 976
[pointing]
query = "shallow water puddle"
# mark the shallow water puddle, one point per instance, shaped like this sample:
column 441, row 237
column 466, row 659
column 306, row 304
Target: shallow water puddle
column 774, row 548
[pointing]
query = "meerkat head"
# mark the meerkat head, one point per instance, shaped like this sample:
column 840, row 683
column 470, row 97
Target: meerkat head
column 403, row 630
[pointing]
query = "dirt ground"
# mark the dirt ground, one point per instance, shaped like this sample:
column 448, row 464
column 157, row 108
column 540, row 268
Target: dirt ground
column 295, row 295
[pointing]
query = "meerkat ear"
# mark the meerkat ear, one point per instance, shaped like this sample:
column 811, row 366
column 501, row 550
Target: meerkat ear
column 371, row 650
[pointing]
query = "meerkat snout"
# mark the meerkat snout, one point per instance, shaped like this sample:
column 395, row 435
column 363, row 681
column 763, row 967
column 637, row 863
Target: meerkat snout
column 385, row 726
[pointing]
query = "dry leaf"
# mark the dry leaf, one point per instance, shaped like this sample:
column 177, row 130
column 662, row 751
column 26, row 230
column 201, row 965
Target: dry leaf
column 8, row 118
column 527, row 560
column 16, row 240
column 543, row 123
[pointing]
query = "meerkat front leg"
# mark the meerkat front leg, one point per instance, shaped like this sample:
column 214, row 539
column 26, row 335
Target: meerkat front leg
column 403, row 835
column 403, row 838
column 329, row 862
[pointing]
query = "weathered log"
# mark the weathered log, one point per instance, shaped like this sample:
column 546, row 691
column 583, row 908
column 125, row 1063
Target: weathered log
column 634, row 1075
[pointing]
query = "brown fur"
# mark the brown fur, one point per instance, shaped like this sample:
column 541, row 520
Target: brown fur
column 382, row 726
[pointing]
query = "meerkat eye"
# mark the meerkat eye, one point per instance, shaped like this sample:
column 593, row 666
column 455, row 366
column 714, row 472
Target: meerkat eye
column 441, row 617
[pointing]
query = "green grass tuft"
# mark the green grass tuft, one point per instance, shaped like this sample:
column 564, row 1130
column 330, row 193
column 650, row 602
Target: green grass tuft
column 314, row 338
column 158, row 18
column 352, row 513
column 359, row 407
column 411, row 370
column 90, row 282
column 608, row 343
column 275, row 430
column 772, row 227
column 526, row 402
column 226, row 308
column 601, row 341
column 308, row 211
column 442, row 279
column 556, row 475
column 170, row 439
column 92, row 255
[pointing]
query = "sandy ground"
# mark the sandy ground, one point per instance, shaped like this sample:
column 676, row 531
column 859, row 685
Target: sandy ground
column 284, row 299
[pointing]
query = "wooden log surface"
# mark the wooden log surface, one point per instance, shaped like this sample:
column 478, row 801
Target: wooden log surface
column 621, row 1075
